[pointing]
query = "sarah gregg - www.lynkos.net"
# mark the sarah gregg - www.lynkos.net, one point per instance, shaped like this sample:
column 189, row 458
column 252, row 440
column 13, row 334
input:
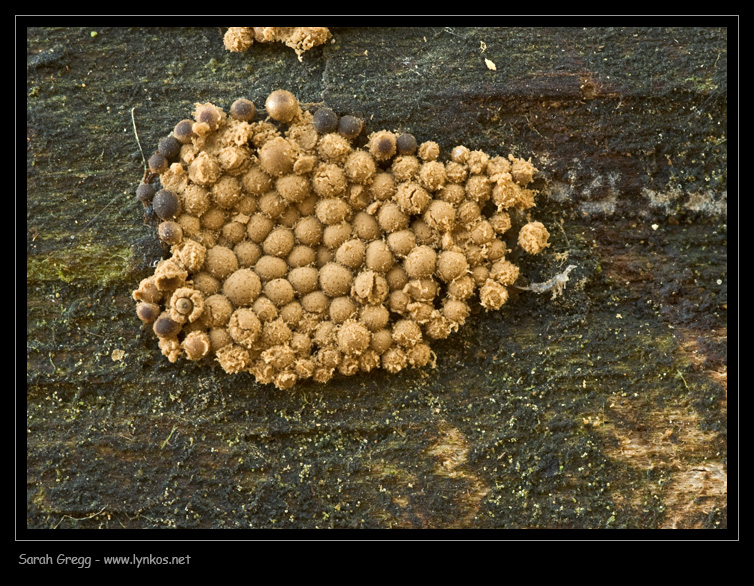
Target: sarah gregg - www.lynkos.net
column 87, row 561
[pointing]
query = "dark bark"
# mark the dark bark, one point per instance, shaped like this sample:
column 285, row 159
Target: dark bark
column 606, row 407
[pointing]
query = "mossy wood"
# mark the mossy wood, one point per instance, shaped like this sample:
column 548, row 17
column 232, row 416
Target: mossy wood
column 605, row 407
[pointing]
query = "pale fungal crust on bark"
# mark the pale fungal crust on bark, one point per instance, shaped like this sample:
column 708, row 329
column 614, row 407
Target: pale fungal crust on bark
column 299, row 251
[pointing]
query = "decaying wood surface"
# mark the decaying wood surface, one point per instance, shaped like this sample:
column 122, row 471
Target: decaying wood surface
column 603, row 408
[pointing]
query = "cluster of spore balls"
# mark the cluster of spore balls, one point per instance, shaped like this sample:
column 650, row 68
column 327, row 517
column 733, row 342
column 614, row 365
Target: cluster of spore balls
column 296, row 254
column 299, row 38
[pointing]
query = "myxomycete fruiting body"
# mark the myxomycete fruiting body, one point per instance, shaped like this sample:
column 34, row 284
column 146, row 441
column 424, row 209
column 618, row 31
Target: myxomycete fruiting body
column 299, row 38
column 301, row 246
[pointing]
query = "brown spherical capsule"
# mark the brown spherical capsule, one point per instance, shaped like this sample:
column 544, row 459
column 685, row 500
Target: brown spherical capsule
column 366, row 227
column 420, row 262
column 243, row 109
column 423, row 289
column 196, row 199
column 401, row 242
column 226, row 191
column 145, row 192
column 440, row 215
column 293, row 188
column 158, row 163
column 350, row 126
column 383, row 186
column 351, row 253
column 165, row 204
column 451, row 265
column 276, row 157
column 165, row 327
column 481, row 232
column 429, row 151
column 382, row 339
column 279, row 242
column 272, row 205
column 478, row 188
column 378, row 256
column 258, row 227
column 247, row 253
column 206, row 284
column 315, row 302
column 406, row 144
column 396, row 278
column 304, row 279
column 220, row 261
column 308, row 231
column 382, row 145
column 325, row 121
column 169, row 147
column 302, row 256
column 147, row 312
column 148, row 291
column 204, row 169
column 289, row 217
column 183, row 131
column 332, row 210
column 279, row 291
column 468, row 212
column 335, row 279
column 455, row 311
column 421, row 311
column 323, row 255
column 336, row 234
column 242, row 287
column 170, row 232
column 271, row 267
column 462, row 287
column 233, row 358
column 391, row 218
column 282, row 105
column 276, row 332
column 374, row 317
column 522, row 171
column 341, row 309
column 256, row 181
column 405, row 167
column 500, row 222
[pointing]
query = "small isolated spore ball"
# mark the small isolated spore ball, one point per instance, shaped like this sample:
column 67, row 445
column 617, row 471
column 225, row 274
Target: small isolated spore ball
column 296, row 254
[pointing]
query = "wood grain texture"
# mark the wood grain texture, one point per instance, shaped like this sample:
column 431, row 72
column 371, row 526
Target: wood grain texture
column 604, row 408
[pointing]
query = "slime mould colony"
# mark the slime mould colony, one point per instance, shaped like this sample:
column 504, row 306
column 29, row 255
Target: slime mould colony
column 296, row 254
column 299, row 38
